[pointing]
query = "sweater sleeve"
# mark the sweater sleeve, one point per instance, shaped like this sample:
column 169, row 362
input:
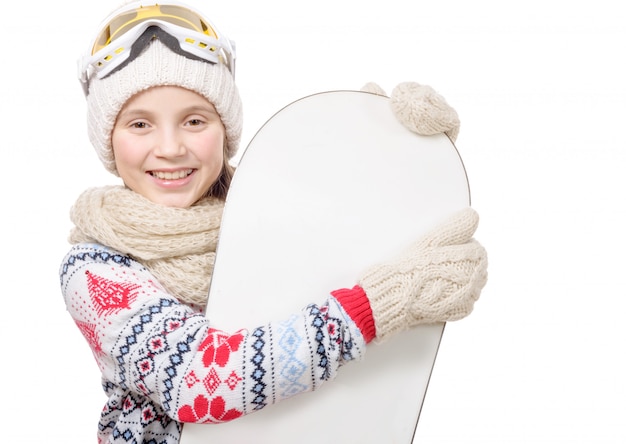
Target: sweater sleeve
column 164, row 362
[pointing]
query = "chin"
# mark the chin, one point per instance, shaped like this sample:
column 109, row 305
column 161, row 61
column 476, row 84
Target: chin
column 175, row 201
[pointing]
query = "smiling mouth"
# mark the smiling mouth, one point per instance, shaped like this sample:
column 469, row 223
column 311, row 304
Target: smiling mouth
column 171, row 175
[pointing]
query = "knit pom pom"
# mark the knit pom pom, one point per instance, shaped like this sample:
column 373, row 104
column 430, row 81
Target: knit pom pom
column 422, row 110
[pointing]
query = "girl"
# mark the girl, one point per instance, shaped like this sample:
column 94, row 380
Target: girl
column 164, row 114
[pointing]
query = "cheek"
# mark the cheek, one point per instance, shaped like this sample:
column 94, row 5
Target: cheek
column 214, row 149
column 127, row 154
column 119, row 150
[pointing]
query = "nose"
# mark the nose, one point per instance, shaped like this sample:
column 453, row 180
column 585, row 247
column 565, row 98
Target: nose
column 170, row 143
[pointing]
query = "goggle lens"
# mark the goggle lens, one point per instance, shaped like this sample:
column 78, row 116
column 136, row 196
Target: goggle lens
column 174, row 14
column 196, row 36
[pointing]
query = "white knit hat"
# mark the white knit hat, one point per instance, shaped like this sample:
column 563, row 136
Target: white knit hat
column 157, row 65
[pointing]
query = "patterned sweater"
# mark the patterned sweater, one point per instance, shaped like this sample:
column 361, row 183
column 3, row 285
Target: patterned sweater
column 164, row 364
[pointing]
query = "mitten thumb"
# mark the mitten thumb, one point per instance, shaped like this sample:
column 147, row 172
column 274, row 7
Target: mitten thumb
column 373, row 88
column 457, row 229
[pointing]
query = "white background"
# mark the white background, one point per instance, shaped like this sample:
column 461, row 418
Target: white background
column 540, row 88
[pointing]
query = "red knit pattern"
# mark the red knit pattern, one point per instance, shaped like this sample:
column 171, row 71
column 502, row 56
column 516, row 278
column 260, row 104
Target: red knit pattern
column 357, row 305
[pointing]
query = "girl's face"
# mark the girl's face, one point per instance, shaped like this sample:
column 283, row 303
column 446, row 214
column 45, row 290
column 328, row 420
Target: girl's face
column 168, row 144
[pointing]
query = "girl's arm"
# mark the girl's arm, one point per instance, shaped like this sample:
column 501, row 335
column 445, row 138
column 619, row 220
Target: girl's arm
column 148, row 343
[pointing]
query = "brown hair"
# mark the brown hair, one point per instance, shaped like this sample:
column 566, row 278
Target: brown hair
column 220, row 187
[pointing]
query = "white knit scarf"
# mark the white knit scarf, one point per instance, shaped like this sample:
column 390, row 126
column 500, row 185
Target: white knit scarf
column 176, row 244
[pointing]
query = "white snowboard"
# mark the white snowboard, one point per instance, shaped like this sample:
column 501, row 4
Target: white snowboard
column 330, row 185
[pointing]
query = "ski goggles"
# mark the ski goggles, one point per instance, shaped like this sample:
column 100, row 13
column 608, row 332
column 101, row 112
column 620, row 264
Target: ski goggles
column 115, row 44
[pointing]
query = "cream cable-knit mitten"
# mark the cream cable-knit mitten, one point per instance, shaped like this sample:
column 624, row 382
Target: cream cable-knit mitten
column 420, row 109
column 437, row 280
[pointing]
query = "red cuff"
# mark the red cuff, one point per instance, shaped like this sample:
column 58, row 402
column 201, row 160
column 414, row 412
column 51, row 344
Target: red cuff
column 355, row 302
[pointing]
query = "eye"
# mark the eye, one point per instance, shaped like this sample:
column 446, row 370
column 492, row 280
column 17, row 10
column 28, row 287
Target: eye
column 195, row 122
column 139, row 125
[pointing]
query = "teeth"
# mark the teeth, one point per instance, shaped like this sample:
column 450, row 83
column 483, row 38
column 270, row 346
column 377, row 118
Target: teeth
column 166, row 175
